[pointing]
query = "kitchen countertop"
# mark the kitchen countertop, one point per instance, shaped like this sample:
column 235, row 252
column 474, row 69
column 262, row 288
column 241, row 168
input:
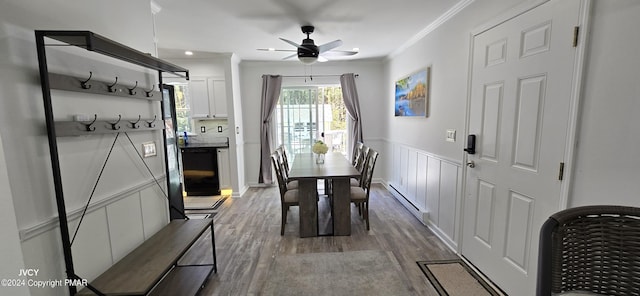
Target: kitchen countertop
column 205, row 145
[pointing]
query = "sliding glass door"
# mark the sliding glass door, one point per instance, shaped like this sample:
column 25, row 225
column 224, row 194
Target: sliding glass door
column 307, row 114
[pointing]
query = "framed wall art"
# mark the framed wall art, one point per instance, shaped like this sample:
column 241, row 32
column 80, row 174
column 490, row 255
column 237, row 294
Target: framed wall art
column 412, row 94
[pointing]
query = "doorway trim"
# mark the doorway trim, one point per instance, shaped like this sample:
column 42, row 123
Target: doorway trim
column 574, row 108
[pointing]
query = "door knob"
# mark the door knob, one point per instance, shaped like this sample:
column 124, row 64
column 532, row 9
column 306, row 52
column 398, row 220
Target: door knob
column 471, row 164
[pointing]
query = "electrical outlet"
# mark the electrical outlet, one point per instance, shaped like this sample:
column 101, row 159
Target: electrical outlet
column 203, row 129
column 219, row 128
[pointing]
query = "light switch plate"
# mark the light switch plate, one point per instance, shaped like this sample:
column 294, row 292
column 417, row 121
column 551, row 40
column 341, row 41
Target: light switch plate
column 451, row 135
column 149, row 149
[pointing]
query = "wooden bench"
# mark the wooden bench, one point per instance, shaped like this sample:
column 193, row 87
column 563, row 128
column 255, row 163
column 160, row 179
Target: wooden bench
column 151, row 268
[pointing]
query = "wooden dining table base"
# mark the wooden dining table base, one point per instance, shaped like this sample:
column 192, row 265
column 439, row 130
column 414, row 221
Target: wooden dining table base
column 308, row 204
column 337, row 172
column 341, row 211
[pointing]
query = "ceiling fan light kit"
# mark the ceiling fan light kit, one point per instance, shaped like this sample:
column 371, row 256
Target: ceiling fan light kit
column 308, row 52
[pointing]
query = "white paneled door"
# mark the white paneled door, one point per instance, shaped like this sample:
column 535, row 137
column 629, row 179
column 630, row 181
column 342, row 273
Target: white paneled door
column 522, row 77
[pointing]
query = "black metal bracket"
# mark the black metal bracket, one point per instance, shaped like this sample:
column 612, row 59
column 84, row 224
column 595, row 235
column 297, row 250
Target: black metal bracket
column 131, row 92
column 134, row 124
column 114, row 125
column 149, row 93
column 111, row 86
column 84, row 83
column 89, row 126
column 151, row 124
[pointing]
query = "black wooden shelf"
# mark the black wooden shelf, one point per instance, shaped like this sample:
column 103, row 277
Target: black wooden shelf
column 97, row 43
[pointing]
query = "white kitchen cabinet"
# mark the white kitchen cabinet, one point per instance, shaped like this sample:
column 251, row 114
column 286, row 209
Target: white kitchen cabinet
column 199, row 98
column 224, row 167
column 217, row 97
column 208, row 97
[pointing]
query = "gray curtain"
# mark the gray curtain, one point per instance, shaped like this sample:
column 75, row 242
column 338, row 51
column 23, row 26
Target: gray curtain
column 270, row 93
column 352, row 103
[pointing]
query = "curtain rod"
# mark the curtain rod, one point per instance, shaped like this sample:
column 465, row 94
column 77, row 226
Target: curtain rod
column 311, row 76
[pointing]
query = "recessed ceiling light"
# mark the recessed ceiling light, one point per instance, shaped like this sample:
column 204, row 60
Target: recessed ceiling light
column 188, row 52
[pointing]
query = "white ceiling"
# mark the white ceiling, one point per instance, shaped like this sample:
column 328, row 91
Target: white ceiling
column 376, row 27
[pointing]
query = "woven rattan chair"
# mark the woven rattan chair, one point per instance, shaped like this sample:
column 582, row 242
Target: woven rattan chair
column 590, row 249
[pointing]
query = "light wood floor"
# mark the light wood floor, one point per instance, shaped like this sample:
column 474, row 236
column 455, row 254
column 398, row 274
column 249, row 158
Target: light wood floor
column 247, row 235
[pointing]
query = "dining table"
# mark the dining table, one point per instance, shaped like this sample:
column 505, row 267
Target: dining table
column 337, row 172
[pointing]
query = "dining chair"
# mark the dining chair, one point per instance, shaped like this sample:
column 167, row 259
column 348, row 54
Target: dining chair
column 360, row 165
column 357, row 150
column 592, row 250
column 284, row 167
column 283, row 154
column 288, row 197
column 360, row 194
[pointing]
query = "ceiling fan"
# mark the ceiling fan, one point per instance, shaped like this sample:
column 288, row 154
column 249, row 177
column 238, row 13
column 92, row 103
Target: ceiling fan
column 309, row 53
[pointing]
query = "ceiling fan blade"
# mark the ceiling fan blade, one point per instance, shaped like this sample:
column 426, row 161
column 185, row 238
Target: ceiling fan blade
column 339, row 53
column 270, row 49
column 322, row 59
column 329, row 46
column 291, row 56
column 290, row 42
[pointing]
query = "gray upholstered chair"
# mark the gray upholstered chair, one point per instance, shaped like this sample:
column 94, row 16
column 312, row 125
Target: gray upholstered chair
column 288, row 197
column 360, row 194
column 590, row 250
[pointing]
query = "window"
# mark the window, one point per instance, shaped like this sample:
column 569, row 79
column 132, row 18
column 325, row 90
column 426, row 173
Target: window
column 183, row 107
column 307, row 114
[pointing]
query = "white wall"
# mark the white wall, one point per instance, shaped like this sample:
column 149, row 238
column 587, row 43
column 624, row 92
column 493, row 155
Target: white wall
column 607, row 160
column 126, row 185
column 446, row 50
column 237, row 130
column 10, row 247
column 370, row 84
column 606, row 164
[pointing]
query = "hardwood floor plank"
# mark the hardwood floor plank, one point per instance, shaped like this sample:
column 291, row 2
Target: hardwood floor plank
column 248, row 240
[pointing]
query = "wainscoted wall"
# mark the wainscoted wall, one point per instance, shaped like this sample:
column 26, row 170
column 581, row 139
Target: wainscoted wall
column 110, row 230
column 430, row 187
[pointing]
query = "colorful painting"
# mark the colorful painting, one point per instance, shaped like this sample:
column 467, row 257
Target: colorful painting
column 412, row 93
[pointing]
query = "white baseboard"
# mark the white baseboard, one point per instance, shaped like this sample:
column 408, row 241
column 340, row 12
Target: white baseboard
column 422, row 216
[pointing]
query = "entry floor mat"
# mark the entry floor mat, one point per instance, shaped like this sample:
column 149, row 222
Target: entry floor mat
column 454, row 277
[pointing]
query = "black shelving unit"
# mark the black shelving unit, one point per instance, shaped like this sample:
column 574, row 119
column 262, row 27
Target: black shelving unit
column 104, row 46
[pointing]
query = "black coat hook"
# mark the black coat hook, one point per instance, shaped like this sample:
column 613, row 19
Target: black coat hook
column 134, row 124
column 114, row 125
column 131, row 92
column 151, row 124
column 111, row 87
column 148, row 92
column 84, row 83
column 89, row 126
